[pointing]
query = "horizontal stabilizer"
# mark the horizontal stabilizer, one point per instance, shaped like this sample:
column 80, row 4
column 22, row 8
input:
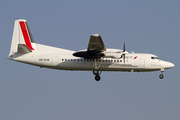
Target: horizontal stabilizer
column 22, row 48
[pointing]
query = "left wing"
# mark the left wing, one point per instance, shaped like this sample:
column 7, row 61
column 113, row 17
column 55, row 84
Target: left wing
column 94, row 50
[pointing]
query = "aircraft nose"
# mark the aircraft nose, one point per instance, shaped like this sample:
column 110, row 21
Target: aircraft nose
column 172, row 65
column 166, row 64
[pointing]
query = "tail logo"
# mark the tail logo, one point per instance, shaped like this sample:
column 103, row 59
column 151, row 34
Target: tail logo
column 26, row 35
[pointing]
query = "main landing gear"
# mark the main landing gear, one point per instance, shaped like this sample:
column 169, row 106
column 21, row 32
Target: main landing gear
column 97, row 73
column 161, row 76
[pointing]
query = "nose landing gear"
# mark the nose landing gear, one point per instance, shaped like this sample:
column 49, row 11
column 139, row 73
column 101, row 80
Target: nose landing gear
column 161, row 76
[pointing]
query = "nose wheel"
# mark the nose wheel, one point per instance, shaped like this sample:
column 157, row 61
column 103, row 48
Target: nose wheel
column 161, row 76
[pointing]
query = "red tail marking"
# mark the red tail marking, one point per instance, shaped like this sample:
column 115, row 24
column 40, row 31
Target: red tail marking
column 26, row 35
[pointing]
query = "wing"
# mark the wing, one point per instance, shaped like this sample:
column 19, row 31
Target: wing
column 94, row 50
column 96, row 43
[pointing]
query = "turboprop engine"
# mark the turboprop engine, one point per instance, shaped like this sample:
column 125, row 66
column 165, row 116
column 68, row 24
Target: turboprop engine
column 116, row 55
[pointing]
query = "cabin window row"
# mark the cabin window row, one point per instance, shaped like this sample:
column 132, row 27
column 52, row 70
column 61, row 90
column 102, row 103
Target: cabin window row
column 91, row 60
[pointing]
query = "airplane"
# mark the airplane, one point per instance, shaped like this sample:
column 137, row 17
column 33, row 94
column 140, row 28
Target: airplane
column 95, row 58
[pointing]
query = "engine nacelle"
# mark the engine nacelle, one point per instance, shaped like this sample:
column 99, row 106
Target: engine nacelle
column 113, row 55
column 116, row 55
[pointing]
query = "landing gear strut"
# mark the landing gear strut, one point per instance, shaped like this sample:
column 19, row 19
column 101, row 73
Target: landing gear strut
column 161, row 76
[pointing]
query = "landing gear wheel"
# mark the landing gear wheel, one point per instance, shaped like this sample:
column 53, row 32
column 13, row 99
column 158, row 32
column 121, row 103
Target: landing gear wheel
column 97, row 78
column 95, row 72
column 161, row 76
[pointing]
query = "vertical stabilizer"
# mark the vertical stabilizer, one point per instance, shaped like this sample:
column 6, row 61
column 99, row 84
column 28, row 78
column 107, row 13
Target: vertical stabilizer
column 22, row 40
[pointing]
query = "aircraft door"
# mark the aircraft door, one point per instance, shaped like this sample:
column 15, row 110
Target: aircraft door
column 142, row 63
column 55, row 61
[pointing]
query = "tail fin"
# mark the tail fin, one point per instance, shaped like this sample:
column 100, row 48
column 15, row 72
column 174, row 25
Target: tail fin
column 22, row 40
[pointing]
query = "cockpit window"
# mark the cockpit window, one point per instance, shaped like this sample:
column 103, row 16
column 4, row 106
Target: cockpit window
column 154, row 58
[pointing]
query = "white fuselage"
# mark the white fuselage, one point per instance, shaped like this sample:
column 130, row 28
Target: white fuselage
column 57, row 58
column 95, row 58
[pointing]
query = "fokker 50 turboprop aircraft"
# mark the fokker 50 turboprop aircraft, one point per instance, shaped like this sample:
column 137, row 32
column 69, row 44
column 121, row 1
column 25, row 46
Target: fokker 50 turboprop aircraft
column 96, row 57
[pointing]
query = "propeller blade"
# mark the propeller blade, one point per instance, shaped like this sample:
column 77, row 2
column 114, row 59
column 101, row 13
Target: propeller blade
column 124, row 49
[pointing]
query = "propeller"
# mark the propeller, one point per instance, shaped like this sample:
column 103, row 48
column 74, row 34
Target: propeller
column 123, row 55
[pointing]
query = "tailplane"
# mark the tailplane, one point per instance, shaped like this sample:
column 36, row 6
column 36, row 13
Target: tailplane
column 22, row 40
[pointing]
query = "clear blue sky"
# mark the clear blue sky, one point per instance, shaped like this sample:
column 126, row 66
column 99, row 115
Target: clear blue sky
column 147, row 26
